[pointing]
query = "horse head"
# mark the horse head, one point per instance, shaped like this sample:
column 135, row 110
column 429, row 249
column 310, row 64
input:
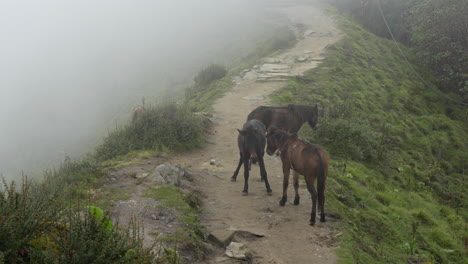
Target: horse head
column 277, row 139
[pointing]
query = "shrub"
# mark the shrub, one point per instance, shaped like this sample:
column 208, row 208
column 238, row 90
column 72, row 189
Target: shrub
column 39, row 223
column 209, row 74
column 168, row 126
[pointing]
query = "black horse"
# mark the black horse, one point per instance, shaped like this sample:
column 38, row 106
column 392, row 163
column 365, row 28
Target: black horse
column 251, row 141
column 289, row 118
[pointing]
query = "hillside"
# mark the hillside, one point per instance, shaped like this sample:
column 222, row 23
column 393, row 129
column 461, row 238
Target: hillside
column 398, row 148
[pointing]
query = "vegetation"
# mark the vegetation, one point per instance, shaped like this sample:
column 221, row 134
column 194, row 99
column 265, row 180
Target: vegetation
column 398, row 153
column 170, row 127
column 436, row 30
column 213, row 81
column 192, row 234
column 36, row 228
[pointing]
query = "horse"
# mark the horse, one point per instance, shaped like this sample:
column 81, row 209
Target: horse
column 289, row 118
column 251, row 142
column 304, row 158
column 136, row 112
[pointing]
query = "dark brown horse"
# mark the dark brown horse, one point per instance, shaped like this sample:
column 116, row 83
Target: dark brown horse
column 289, row 118
column 304, row 158
column 251, row 141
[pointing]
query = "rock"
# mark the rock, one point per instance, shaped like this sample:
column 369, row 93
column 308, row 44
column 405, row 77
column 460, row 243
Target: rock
column 236, row 79
column 274, row 68
column 212, row 162
column 221, row 259
column 237, row 251
column 221, row 238
column 271, row 60
column 254, row 97
column 167, row 174
column 255, row 67
column 308, row 33
column 301, row 59
column 142, row 176
column 245, row 71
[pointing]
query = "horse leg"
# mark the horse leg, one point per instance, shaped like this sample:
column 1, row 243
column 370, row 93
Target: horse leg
column 264, row 174
column 285, row 183
column 234, row 177
column 246, row 174
column 321, row 204
column 310, row 186
column 296, row 187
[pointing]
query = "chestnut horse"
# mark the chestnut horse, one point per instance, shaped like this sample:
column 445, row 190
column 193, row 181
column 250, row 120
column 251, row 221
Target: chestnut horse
column 304, row 158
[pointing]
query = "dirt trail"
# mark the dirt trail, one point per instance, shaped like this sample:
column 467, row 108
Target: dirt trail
column 288, row 237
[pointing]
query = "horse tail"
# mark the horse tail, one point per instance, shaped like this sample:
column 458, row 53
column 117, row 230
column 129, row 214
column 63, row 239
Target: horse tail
column 321, row 178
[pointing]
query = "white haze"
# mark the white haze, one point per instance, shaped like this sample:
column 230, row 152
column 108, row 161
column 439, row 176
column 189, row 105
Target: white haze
column 68, row 68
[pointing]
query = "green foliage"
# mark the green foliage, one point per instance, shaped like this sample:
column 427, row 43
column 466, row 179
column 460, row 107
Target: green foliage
column 167, row 126
column 210, row 74
column 188, row 204
column 440, row 38
column 44, row 223
column 401, row 196
column 435, row 29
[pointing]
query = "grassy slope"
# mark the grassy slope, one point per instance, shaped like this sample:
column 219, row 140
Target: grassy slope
column 272, row 40
column 408, row 202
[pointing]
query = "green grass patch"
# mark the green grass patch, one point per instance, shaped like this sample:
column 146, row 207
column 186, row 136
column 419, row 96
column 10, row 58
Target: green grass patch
column 132, row 158
column 398, row 152
column 162, row 127
column 188, row 205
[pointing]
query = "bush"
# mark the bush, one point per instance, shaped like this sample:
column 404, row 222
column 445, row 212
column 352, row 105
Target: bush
column 39, row 223
column 209, row 74
column 168, row 126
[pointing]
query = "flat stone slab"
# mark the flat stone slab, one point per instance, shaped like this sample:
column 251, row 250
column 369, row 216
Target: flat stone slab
column 254, row 97
column 274, row 68
column 271, row 60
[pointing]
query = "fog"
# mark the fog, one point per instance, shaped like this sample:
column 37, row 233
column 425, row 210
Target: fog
column 69, row 70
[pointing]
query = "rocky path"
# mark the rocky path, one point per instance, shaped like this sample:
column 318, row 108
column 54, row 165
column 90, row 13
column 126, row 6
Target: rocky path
column 287, row 237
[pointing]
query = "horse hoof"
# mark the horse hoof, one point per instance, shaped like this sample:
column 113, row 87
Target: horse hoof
column 312, row 223
column 296, row 201
column 282, row 202
column 233, row 179
column 322, row 219
column 269, row 193
column 244, row 193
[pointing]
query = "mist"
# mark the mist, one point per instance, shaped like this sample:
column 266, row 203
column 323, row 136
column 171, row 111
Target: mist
column 69, row 70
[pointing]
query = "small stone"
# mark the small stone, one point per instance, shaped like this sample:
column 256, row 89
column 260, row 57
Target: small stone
column 301, row 59
column 237, row 251
column 142, row 176
column 212, row 162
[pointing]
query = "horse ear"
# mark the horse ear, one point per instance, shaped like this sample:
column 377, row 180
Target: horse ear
column 242, row 132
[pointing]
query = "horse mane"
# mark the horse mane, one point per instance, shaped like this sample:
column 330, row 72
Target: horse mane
column 303, row 112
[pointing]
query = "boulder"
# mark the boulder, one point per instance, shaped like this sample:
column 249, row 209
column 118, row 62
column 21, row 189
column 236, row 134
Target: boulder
column 167, row 174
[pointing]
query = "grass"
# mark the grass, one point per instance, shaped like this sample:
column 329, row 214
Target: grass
column 398, row 153
column 201, row 96
column 48, row 223
column 170, row 127
column 188, row 204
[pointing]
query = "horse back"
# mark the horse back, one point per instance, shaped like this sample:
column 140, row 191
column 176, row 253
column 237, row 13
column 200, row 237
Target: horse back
column 307, row 158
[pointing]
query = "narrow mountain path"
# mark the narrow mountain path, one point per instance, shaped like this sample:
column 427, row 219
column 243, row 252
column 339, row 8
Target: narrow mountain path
column 288, row 238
